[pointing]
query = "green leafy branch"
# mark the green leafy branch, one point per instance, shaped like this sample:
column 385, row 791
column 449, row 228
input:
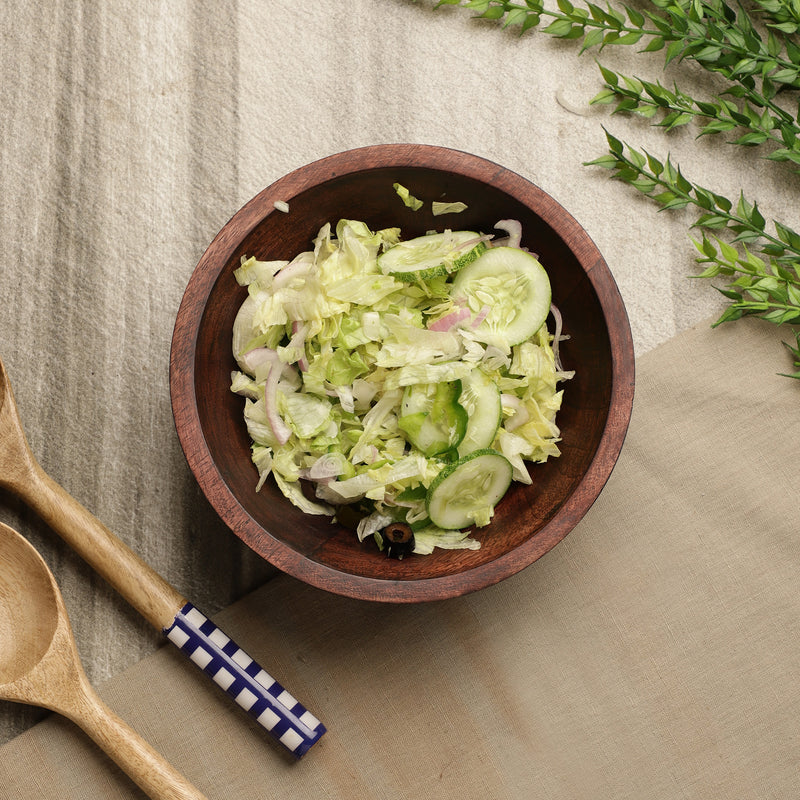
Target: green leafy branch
column 768, row 287
column 711, row 33
column 781, row 15
column 755, row 126
column 707, row 31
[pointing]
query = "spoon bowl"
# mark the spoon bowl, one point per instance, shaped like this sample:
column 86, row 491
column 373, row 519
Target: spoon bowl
column 39, row 665
column 29, row 609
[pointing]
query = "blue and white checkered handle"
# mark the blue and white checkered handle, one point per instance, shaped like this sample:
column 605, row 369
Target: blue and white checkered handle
column 255, row 690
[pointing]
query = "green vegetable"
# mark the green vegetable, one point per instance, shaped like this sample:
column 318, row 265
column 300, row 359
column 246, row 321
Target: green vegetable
column 467, row 492
column 408, row 199
column 480, row 397
column 432, row 418
column 438, row 208
column 513, row 289
column 431, row 256
column 369, row 388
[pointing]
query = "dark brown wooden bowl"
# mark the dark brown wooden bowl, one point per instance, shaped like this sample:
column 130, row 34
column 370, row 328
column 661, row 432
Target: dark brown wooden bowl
column 357, row 184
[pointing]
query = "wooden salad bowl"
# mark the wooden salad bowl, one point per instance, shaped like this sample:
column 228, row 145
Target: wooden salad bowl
column 357, row 184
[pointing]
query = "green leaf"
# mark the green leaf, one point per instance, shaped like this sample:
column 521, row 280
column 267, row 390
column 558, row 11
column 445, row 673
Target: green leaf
column 712, row 221
column 656, row 167
column 603, row 97
column 606, row 162
column 593, row 38
column 516, row 16
column 609, row 76
column 709, row 53
column 654, row 45
column 784, row 76
column 675, row 119
column 666, row 197
column 717, row 126
column 784, row 154
column 793, row 292
column 674, row 49
column 644, row 185
column 629, row 38
column 559, row 28
column 636, row 18
column 531, row 21
column 728, row 315
column 756, row 219
column 751, row 139
column 787, row 27
column 788, row 236
column 614, row 144
column 722, row 202
column 729, row 253
column 637, row 158
column 707, row 248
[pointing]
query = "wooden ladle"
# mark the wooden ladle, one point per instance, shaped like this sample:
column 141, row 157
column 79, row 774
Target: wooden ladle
column 39, row 665
column 196, row 636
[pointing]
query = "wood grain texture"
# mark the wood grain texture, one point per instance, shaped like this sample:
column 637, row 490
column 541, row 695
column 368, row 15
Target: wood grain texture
column 40, row 665
column 357, row 185
column 21, row 474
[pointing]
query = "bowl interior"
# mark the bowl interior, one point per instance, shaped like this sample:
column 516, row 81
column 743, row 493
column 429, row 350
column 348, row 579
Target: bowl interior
column 530, row 519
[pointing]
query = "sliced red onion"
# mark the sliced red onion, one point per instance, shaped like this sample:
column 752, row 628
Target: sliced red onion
column 257, row 357
column 559, row 324
column 513, row 228
column 325, row 468
column 296, row 269
column 480, row 317
column 450, row 321
column 520, row 416
column 280, row 429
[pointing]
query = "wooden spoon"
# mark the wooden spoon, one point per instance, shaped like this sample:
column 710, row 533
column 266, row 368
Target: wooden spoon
column 254, row 689
column 39, row 665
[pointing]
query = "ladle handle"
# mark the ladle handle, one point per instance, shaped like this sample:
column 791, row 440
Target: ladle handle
column 144, row 765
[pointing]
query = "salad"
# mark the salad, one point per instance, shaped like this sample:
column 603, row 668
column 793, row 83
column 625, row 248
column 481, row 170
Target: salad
column 408, row 380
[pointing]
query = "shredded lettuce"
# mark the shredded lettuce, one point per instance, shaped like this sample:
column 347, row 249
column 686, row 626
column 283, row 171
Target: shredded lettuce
column 326, row 345
column 438, row 208
column 412, row 202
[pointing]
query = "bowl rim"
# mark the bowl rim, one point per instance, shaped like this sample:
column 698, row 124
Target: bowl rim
column 183, row 389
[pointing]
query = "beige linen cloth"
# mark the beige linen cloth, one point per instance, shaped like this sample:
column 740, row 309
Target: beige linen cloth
column 652, row 655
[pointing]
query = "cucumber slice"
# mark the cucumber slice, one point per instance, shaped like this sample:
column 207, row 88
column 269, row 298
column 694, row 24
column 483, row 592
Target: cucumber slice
column 480, row 398
column 432, row 418
column 431, row 255
column 465, row 493
column 514, row 287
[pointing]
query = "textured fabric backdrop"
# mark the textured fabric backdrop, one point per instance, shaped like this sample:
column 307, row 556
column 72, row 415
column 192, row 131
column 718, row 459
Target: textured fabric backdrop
column 130, row 132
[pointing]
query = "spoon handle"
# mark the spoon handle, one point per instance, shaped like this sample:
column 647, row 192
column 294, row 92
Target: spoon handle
column 155, row 599
column 286, row 720
column 136, row 757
